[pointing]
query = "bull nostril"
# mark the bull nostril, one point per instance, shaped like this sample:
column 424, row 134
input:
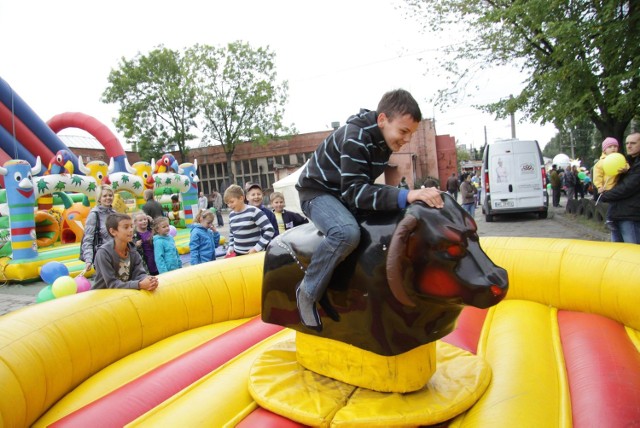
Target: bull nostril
column 496, row 290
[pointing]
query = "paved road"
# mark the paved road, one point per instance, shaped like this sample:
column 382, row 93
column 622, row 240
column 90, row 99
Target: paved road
column 557, row 225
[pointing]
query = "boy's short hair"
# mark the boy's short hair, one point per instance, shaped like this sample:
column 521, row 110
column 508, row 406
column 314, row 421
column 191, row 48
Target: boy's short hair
column 233, row 191
column 114, row 219
column 148, row 194
column 175, row 197
column 158, row 221
column 398, row 103
column 276, row 195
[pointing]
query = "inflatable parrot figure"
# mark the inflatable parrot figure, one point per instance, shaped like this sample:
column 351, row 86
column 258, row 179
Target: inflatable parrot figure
column 61, row 163
column 167, row 163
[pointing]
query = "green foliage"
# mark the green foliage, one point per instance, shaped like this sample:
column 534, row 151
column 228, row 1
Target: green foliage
column 463, row 155
column 157, row 102
column 238, row 95
column 581, row 57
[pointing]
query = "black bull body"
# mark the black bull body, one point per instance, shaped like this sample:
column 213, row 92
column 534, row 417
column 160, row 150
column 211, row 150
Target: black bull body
column 403, row 286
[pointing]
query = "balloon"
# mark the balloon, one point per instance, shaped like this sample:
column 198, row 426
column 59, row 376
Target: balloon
column 172, row 230
column 582, row 175
column 82, row 283
column 223, row 240
column 612, row 163
column 52, row 271
column 45, row 294
column 561, row 160
column 64, row 286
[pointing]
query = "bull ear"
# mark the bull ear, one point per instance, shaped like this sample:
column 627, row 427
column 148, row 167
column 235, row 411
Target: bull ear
column 397, row 250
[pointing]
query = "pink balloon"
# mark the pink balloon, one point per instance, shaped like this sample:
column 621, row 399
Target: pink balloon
column 83, row 283
column 173, row 231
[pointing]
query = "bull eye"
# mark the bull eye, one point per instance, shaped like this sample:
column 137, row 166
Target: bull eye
column 455, row 250
column 18, row 177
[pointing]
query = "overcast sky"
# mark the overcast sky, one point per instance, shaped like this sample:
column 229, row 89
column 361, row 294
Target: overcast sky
column 338, row 56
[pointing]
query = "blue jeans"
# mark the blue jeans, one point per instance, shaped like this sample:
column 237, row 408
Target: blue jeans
column 470, row 208
column 625, row 231
column 341, row 237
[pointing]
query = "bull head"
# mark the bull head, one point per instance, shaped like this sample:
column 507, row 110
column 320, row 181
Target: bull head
column 404, row 286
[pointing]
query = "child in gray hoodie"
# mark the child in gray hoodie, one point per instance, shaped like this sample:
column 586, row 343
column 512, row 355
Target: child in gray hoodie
column 117, row 263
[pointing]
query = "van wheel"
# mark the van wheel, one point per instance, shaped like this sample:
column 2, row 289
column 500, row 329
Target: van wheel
column 543, row 214
column 488, row 218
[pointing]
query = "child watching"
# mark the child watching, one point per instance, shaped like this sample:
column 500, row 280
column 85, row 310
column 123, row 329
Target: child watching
column 175, row 207
column 255, row 198
column 285, row 219
column 143, row 240
column 117, row 264
column 249, row 228
column 600, row 179
column 164, row 247
column 204, row 238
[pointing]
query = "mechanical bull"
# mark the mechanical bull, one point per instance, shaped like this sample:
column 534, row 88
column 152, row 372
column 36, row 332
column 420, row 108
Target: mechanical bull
column 403, row 287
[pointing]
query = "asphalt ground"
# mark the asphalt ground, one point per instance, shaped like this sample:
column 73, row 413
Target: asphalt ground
column 14, row 296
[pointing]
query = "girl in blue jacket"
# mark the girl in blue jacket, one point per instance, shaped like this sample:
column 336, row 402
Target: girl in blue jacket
column 204, row 238
column 164, row 247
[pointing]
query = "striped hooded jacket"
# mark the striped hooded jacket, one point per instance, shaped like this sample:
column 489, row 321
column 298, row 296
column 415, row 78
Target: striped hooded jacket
column 346, row 165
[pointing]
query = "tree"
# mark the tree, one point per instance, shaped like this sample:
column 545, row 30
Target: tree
column 238, row 95
column 580, row 141
column 581, row 57
column 157, row 102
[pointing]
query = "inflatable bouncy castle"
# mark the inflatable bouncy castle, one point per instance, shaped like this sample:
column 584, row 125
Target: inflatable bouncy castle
column 48, row 191
column 562, row 349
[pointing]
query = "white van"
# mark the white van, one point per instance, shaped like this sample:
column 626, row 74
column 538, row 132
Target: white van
column 513, row 179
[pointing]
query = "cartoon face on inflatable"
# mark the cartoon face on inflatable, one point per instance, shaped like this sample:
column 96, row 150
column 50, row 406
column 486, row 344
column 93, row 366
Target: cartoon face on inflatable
column 96, row 169
column 404, row 286
column 18, row 180
column 191, row 171
column 144, row 171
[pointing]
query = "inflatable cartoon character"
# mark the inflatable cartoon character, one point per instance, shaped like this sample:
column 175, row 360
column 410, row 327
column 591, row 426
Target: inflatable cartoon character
column 73, row 219
column 96, row 169
column 61, row 163
column 167, row 163
column 18, row 179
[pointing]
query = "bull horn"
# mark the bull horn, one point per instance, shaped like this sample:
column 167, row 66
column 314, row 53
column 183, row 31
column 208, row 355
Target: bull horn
column 129, row 168
column 397, row 249
column 36, row 169
column 3, row 170
column 195, row 163
column 81, row 167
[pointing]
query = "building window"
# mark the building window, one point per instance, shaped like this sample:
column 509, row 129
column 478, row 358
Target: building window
column 247, row 169
column 254, row 165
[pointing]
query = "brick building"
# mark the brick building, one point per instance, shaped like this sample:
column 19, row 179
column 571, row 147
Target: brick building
column 426, row 155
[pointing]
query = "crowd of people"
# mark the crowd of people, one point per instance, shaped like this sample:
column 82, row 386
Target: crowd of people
column 127, row 250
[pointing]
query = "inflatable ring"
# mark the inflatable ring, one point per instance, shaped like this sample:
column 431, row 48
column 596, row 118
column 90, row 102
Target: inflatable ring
column 47, row 229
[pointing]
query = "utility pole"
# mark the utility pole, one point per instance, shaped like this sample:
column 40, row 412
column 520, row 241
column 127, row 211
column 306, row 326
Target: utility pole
column 513, row 121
